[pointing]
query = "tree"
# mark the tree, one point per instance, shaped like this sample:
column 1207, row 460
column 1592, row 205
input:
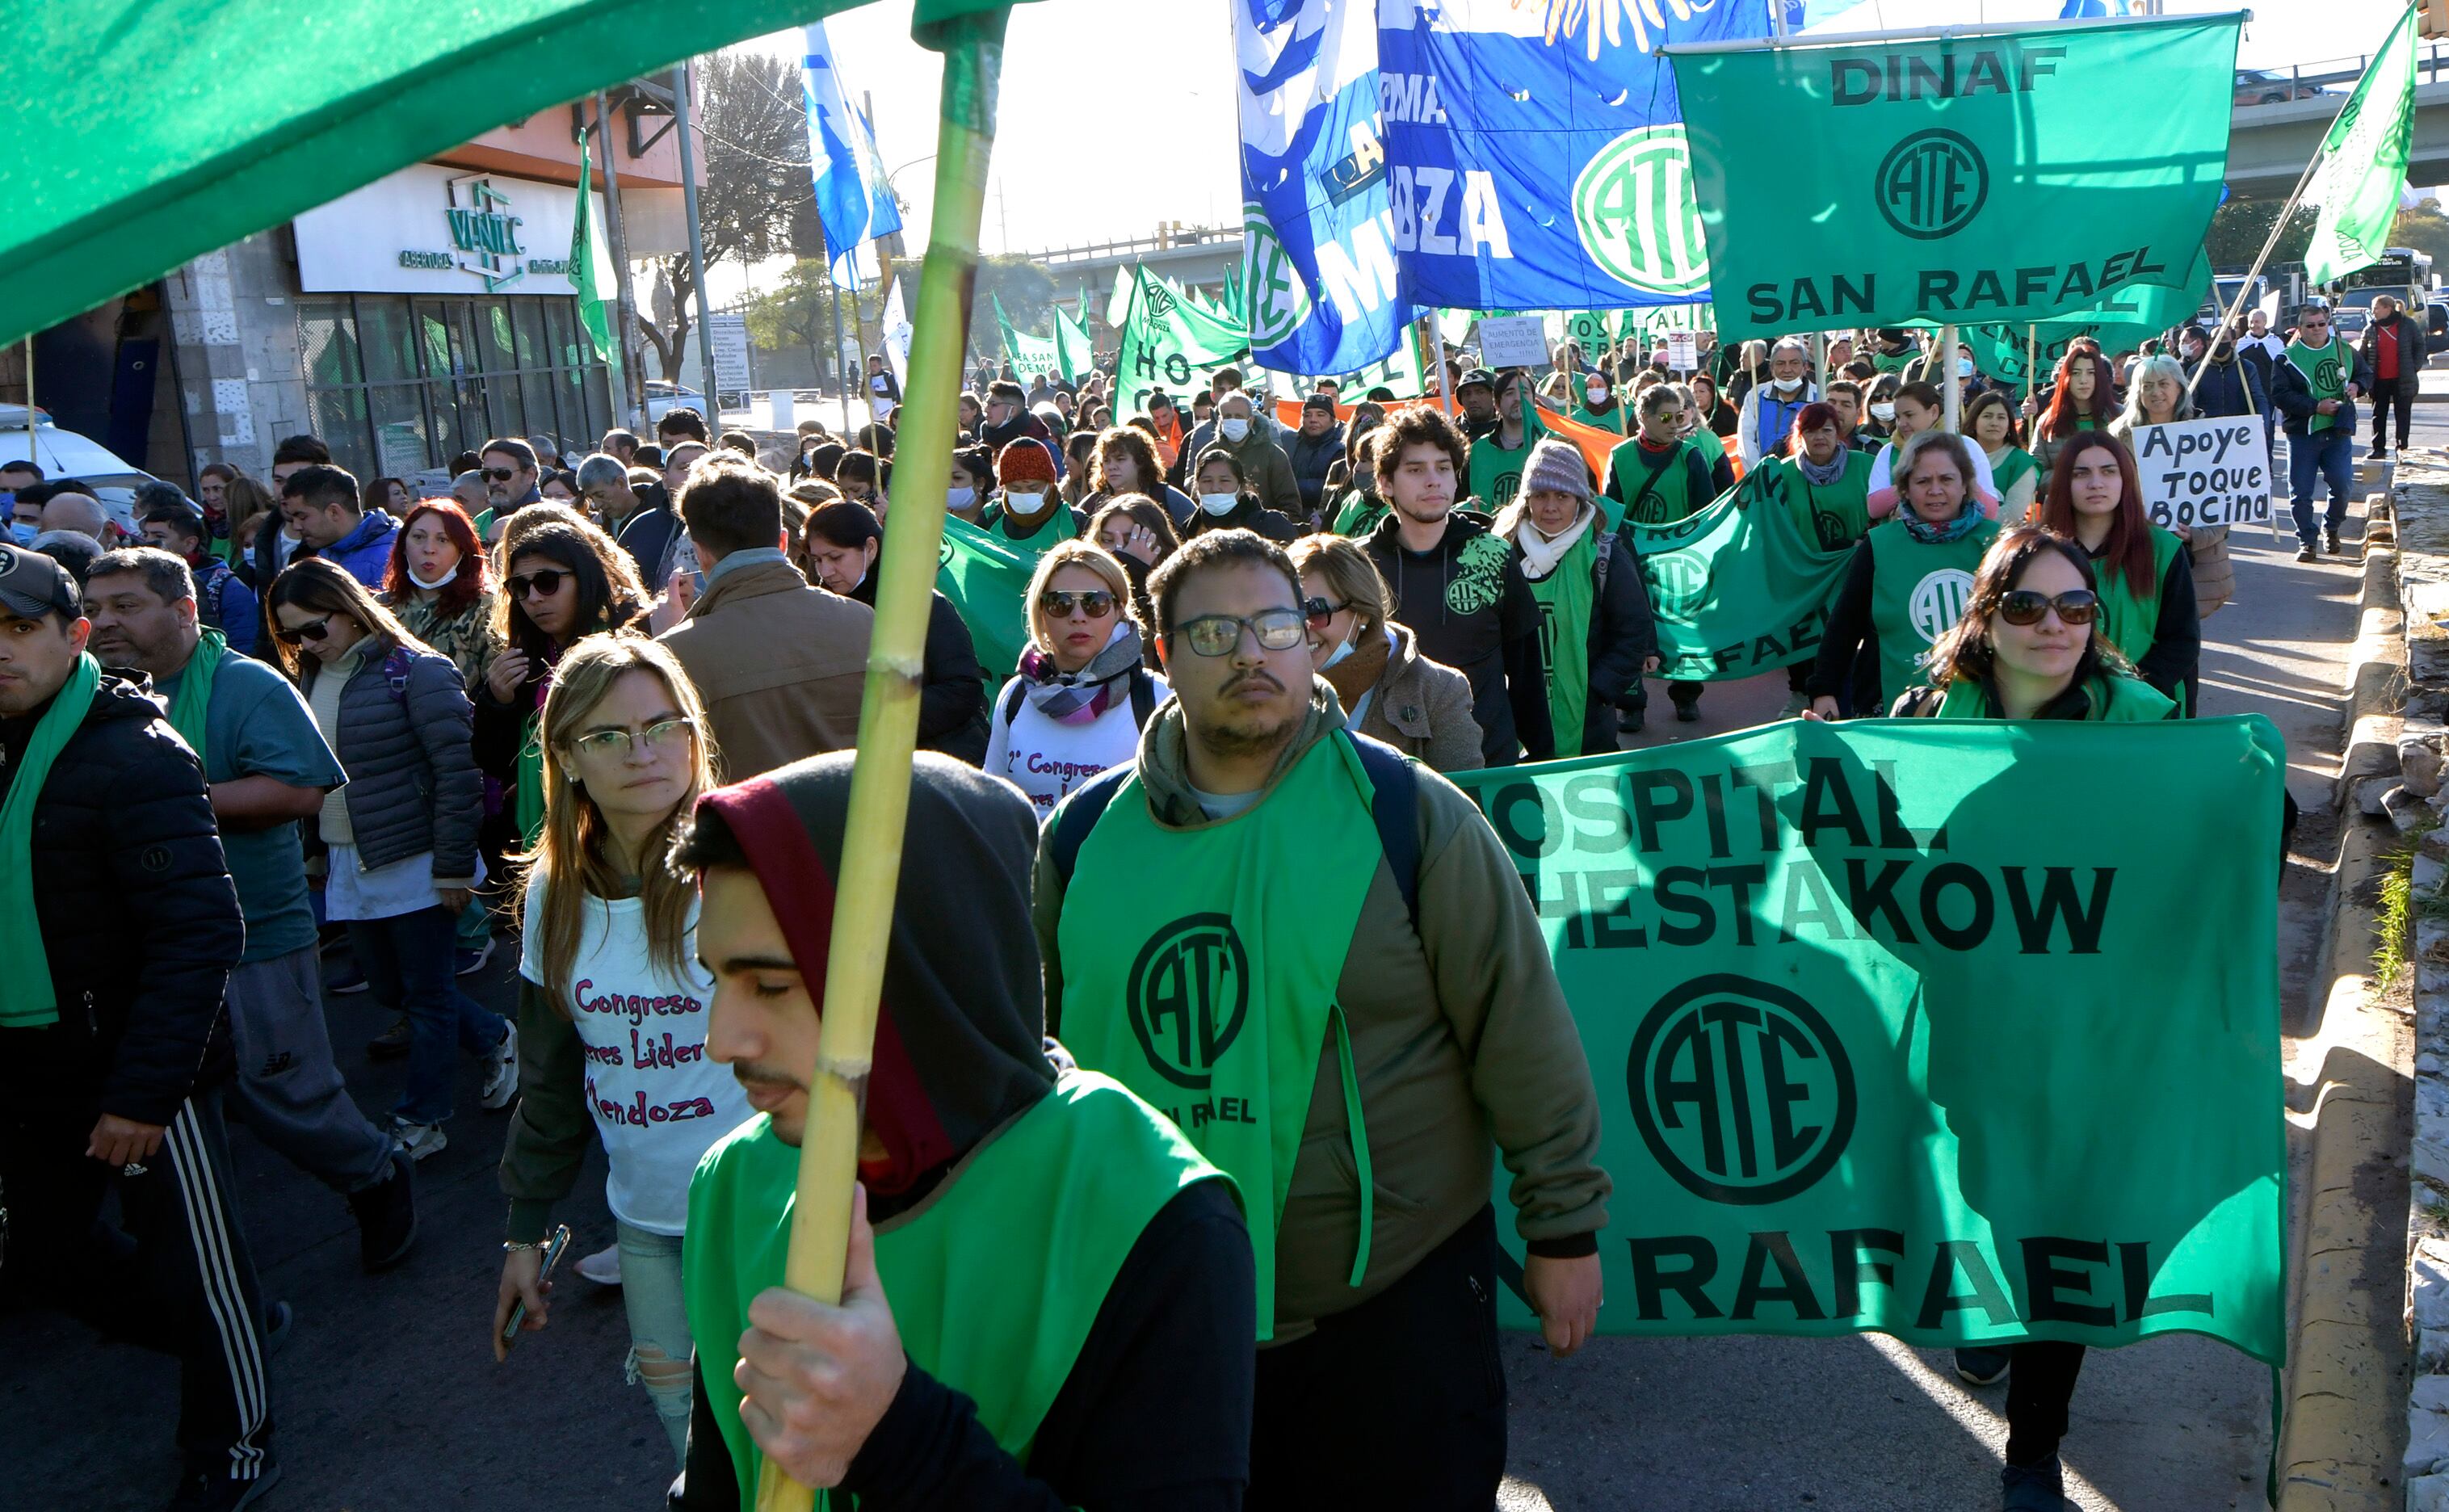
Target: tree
column 2239, row 226
column 1027, row 295
column 797, row 315
column 2423, row 227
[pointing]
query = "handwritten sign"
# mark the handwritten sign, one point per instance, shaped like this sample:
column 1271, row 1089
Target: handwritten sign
column 2211, row 471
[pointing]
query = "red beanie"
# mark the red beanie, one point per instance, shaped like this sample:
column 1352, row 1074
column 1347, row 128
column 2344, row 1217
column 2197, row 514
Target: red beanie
column 1025, row 460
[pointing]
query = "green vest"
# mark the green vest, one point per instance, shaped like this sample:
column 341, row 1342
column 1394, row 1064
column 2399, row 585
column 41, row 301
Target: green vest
column 1645, row 496
column 1565, row 598
column 1360, row 513
column 1612, row 420
column 995, row 1277
column 1917, row 592
column 2114, row 700
column 1495, row 472
column 1056, row 527
column 1893, row 362
column 2127, row 617
column 2327, row 370
column 2009, row 466
column 1212, row 996
column 527, row 795
column 1833, row 517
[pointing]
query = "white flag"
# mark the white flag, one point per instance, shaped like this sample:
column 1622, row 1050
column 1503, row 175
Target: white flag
column 896, row 335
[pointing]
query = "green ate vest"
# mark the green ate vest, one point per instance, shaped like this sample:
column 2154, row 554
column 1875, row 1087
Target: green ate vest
column 995, row 1277
column 1637, row 493
column 1565, row 598
column 1496, row 472
column 2113, row 700
column 1212, row 994
column 1056, row 527
column 2009, row 466
column 2128, row 618
column 1612, row 420
column 2327, row 370
column 1834, row 518
column 1917, row 592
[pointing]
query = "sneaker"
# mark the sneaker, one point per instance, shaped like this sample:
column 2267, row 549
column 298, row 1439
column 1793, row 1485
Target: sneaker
column 2033, row 1487
column 603, row 1266
column 1982, row 1368
column 501, row 1070
column 469, row 963
column 392, row 1043
column 1688, row 714
column 277, row 1319
column 346, row 979
column 386, row 1215
column 209, row 1489
column 2331, row 542
column 2306, row 553
column 419, row 1139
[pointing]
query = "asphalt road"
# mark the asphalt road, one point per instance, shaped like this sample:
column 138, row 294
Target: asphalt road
column 388, row 1399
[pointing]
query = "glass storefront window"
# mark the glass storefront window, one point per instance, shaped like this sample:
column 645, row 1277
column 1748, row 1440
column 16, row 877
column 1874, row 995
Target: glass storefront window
column 329, row 341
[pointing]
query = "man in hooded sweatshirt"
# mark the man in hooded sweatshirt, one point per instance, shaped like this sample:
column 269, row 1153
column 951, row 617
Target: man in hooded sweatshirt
column 1050, row 1295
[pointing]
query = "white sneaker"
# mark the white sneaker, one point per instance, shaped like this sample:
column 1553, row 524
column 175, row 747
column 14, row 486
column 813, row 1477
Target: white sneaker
column 502, row 1070
column 603, row 1266
column 419, row 1139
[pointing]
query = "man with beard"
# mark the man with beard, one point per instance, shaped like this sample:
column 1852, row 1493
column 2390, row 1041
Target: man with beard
column 1476, row 394
column 1049, row 1299
column 1317, row 957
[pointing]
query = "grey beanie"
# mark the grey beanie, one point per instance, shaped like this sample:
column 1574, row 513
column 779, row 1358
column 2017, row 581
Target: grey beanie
column 1556, row 465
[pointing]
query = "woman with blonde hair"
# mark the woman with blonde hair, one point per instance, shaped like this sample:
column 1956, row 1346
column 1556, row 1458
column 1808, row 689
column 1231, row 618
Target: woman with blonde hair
column 1083, row 692
column 1388, row 690
column 2155, row 394
column 611, row 924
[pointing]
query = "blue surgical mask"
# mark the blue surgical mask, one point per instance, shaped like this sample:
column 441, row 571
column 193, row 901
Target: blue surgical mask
column 1965, row 367
column 959, row 498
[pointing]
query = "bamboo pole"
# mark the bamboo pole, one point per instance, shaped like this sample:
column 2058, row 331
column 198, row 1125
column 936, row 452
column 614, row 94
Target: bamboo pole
column 888, row 722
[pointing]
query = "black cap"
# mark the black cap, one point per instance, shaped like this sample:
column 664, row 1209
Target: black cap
column 1478, row 374
column 32, row 584
column 1320, row 401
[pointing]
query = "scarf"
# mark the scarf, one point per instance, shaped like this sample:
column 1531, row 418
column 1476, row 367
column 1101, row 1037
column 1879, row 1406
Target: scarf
column 1930, row 534
column 1818, row 475
column 1353, row 677
column 26, row 1000
column 1541, row 553
column 196, row 691
column 1078, row 698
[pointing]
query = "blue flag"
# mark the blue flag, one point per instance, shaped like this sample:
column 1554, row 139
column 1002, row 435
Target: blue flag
column 1319, row 288
column 853, row 199
column 1535, row 153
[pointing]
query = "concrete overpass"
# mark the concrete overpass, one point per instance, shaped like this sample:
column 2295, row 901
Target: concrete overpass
column 2269, row 144
column 1194, row 257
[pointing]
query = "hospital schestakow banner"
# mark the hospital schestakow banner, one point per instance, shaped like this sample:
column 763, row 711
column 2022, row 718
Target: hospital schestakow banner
column 1909, row 1026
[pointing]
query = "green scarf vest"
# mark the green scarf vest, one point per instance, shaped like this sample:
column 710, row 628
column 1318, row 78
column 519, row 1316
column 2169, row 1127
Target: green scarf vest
column 1213, row 996
column 1497, row 470
column 1917, row 590
column 27, row 998
column 2009, row 466
column 1835, row 517
column 1050, row 532
column 2327, row 370
column 1669, row 500
column 1612, row 420
column 2114, row 700
column 2128, row 618
column 195, row 693
column 1565, row 598
column 995, row 1277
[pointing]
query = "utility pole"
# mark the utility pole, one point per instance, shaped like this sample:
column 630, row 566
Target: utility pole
column 633, row 383
column 686, row 128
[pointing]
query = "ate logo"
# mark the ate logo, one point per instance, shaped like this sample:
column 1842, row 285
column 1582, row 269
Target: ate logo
column 1938, row 602
column 1931, row 185
column 1272, row 291
column 1635, row 209
column 1740, row 1090
column 1188, row 995
column 1678, row 585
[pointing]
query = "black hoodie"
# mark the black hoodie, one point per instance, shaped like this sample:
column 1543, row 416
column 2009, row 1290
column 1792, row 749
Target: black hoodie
column 1156, row 1411
column 1467, row 606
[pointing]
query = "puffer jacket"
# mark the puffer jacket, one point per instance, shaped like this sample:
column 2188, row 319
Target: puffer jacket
column 405, row 731
column 1311, row 457
column 138, row 918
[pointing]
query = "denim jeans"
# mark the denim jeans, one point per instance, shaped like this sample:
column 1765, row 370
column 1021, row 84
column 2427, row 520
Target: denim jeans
column 407, row 961
column 660, row 1346
column 2311, row 460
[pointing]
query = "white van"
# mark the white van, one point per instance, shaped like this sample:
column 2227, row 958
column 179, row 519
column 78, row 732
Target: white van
column 65, row 455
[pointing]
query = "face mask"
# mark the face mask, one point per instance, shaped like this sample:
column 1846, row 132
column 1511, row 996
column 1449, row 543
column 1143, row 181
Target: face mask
column 1786, row 385
column 1596, row 393
column 23, row 533
column 959, row 498
column 1023, row 503
column 1218, row 503
column 1233, row 429
column 1883, row 413
column 1965, row 367
column 1337, row 655
column 438, row 582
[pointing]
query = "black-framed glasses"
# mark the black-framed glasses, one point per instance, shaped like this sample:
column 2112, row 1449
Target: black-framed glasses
column 1218, row 634
column 664, row 734
column 538, row 585
column 2024, row 607
column 313, row 629
column 501, row 474
column 1319, row 611
column 1096, row 603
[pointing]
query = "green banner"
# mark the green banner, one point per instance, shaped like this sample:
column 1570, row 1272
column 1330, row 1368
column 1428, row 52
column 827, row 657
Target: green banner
column 1736, row 587
column 1967, row 178
column 2120, row 324
column 1172, row 343
column 1028, row 355
column 987, row 579
column 1885, row 1040
column 1074, row 353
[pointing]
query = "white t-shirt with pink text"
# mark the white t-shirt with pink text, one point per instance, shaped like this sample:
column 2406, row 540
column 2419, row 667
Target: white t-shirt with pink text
column 1046, row 758
column 658, row 1101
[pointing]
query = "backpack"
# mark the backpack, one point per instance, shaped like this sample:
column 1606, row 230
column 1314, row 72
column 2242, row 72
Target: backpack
column 1143, row 699
column 1394, row 806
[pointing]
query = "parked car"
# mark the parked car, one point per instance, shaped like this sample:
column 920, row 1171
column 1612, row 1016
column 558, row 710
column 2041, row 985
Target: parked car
column 2262, row 86
column 65, row 455
column 663, row 396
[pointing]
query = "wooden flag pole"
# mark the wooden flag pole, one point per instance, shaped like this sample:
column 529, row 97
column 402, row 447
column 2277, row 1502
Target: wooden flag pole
column 888, row 722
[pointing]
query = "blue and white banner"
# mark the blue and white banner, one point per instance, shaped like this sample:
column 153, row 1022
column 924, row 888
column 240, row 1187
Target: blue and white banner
column 853, row 199
column 1535, row 150
column 1318, row 275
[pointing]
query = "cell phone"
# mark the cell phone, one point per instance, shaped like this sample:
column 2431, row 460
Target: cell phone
column 552, row 1252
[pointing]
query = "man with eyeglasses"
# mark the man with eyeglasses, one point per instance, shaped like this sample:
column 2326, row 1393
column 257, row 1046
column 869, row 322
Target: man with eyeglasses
column 1342, row 995
column 2314, row 385
column 322, row 508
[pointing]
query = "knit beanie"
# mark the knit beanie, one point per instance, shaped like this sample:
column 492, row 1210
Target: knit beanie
column 1024, row 460
column 1557, row 466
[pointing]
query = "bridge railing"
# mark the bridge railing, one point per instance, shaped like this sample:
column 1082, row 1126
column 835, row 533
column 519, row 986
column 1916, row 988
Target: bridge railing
column 2306, row 81
column 1184, row 239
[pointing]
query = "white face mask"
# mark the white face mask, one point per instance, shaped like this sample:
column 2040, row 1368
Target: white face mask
column 1596, row 393
column 1786, row 385
column 959, row 498
column 1883, row 412
column 439, row 581
column 1218, row 503
column 1023, row 503
column 1233, row 428
column 1339, row 653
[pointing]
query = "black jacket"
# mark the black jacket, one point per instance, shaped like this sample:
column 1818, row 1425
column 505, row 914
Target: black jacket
column 2410, row 349
column 137, row 916
column 2233, row 387
column 1311, row 456
column 1247, row 516
column 1466, row 603
column 647, row 535
column 951, row 688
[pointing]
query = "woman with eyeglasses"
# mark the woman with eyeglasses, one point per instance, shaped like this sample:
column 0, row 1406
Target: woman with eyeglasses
column 401, row 838
column 1388, row 690
column 842, row 539
column 612, row 925
column 2146, row 577
column 1083, row 692
column 567, row 580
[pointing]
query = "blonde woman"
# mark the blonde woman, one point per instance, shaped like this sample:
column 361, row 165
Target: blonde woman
column 1082, row 693
column 1388, row 690
column 2156, row 396
column 612, row 1002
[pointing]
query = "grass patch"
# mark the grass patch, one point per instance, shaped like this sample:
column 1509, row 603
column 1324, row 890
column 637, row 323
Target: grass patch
column 2394, row 920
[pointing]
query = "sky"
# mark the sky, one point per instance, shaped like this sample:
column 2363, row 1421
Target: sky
column 1148, row 87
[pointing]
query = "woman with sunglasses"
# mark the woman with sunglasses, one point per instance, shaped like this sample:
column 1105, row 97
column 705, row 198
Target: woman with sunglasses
column 2146, row 578
column 400, row 837
column 1388, row 690
column 1083, row 694
column 1906, row 583
column 567, row 580
column 842, row 541
column 1139, row 531
column 611, row 924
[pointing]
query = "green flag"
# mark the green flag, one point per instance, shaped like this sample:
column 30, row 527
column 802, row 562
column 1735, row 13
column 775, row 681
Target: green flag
column 987, row 579
column 2363, row 162
column 2120, row 324
column 594, row 312
column 1963, row 178
column 1170, row 343
column 1075, row 354
column 1867, row 1019
column 1735, row 588
column 1028, row 355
